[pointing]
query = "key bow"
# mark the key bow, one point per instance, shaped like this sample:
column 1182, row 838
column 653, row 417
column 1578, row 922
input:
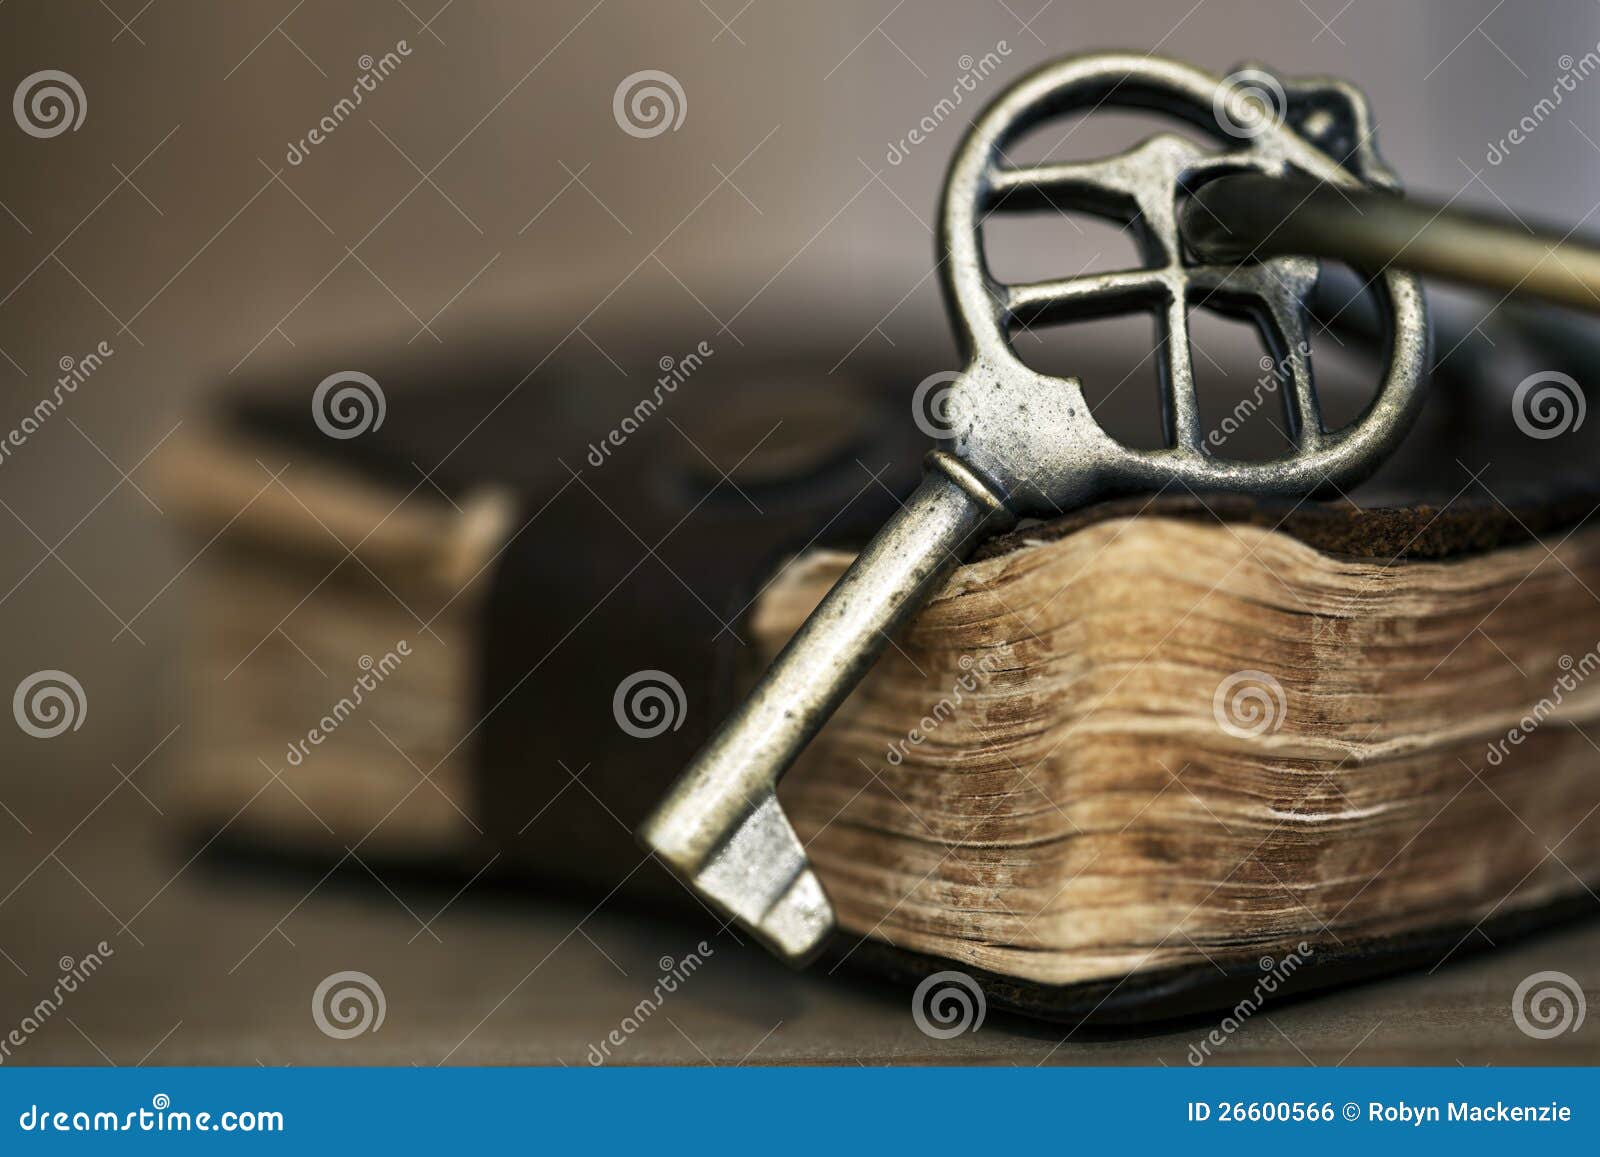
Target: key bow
column 1318, row 127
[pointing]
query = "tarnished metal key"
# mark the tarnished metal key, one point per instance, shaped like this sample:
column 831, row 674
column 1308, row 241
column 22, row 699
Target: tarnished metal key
column 1024, row 444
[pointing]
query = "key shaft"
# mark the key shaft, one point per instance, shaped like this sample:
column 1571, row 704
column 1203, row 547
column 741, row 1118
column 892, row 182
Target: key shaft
column 721, row 828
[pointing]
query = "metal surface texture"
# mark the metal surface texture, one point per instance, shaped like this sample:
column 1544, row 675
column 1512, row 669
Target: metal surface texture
column 1250, row 217
column 1022, row 443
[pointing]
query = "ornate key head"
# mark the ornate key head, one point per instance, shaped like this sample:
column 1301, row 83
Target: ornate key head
column 1031, row 435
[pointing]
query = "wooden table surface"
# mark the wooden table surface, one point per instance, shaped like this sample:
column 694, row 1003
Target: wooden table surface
column 215, row 960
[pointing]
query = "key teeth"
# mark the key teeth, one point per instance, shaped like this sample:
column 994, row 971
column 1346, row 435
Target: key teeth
column 758, row 875
column 799, row 923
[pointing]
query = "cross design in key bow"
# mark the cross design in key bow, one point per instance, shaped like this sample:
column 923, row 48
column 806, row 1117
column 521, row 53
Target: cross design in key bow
column 1142, row 189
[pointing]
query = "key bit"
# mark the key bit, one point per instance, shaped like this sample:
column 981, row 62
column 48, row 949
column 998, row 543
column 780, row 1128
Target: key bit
column 1024, row 444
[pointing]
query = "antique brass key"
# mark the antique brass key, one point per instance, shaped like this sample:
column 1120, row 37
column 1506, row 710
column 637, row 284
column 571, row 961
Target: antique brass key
column 1024, row 444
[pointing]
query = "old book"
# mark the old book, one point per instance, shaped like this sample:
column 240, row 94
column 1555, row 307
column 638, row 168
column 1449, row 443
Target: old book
column 1156, row 743
column 1121, row 763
